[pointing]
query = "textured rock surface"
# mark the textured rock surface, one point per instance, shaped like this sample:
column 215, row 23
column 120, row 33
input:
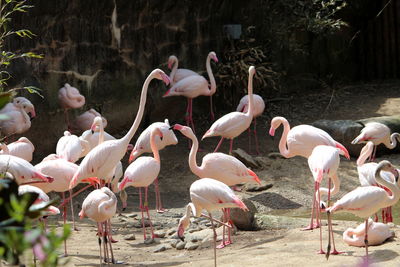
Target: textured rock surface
column 244, row 220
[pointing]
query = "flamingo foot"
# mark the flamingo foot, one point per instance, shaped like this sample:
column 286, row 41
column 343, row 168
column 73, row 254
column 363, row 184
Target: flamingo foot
column 237, row 189
column 224, row 244
column 161, row 210
column 335, row 252
column 320, row 251
column 112, row 240
column 76, row 229
column 311, row 227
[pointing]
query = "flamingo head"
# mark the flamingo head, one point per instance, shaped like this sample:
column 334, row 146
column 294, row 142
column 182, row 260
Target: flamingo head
column 160, row 75
column 97, row 122
column 213, row 56
column 134, row 154
column 385, row 165
column 275, row 123
column 185, row 130
column 183, row 224
column 124, row 183
column 171, row 61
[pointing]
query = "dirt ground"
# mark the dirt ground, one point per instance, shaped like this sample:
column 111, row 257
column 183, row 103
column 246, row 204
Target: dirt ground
column 276, row 244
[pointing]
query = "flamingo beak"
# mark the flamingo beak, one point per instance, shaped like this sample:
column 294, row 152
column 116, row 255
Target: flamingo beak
column 215, row 59
column 165, row 78
column 272, row 131
column 122, row 185
column 132, row 156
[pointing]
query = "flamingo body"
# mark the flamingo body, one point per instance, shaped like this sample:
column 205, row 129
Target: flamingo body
column 19, row 113
column 85, row 120
column 178, row 74
column 41, row 197
column 22, row 148
column 377, row 234
column 258, row 108
column 71, row 147
column 70, row 97
column 100, row 205
column 141, row 173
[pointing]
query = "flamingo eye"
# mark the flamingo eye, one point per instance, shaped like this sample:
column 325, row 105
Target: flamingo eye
column 141, row 147
column 24, row 106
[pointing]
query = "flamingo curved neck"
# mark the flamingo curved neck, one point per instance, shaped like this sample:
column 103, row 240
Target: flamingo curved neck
column 153, row 146
column 250, row 94
column 282, row 143
column 213, row 88
column 192, row 155
column 393, row 187
column 393, row 140
column 333, row 191
column 174, row 70
column 101, row 133
column 143, row 97
column 5, row 149
column 365, row 153
column 104, row 207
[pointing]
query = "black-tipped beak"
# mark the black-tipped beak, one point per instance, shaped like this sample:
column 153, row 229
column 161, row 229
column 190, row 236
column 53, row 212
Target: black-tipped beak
column 182, row 238
column 92, row 131
column 172, row 127
column 123, row 209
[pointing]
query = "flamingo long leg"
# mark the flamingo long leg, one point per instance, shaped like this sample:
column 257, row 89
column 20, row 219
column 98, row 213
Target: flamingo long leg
column 334, row 252
column 230, row 146
column 366, row 240
column 159, row 207
column 219, row 144
column 72, row 212
column 99, row 236
column 73, row 195
column 211, row 109
column 318, row 219
column 312, row 226
column 222, row 245
column 229, row 228
column 255, row 136
column 215, row 239
column 107, row 225
column 141, row 209
column 146, row 206
column 249, row 134
column 191, row 115
column 65, row 221
column 187, row 112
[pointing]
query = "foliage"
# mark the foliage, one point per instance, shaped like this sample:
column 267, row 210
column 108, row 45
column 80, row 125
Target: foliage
column 17, row 231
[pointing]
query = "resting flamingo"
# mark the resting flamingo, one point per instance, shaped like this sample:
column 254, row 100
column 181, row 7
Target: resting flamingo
column 194, row 86
column 85, row 120
column 178, row 74
column 100, row 205
column 71, row 147
column 233, row 124
column 209, row 194
column 377, row 234
column 323, row 162
column 366, row 175
column 70, row 98
column 258, row 109
column 103, row 159
column 378, row 133
column 301, row 139
column 22, row 148
column 143, row 146
column 218, row 166
column 20, row 113
column 141, row 173
column 367, row 200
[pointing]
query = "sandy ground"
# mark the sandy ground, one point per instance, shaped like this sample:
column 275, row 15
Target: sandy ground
column 291, row 195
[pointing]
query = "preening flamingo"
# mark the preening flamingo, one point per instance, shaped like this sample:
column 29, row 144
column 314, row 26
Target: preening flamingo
column 103, row 159
column 22, row 171
column 208, row 194
column 258, row 109
column 70, row 98
column 71, row 147
column 178, row 74
column 141, row 173
column 377, row 133
column 100, row 205
column 20, row 113
column 194, row 86
column 41, row 197
column 367, row 200
column 377, row 234
column 85, row 120
column 366, row 175
column 218, row 166
column 22, row 148
column 323, row 162
column 301, row 139
column 233, row 124
column 143, row 146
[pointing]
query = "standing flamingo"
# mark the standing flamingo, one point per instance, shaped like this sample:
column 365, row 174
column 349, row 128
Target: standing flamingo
column 71, row 147
column 367, row 200
column 366, row 175
column 377, row 234
column 70, row 98
column 143, row 146
column 178, row 74
column 194, row 86
column 100, row 205
column 218, row 166
column 85, row 120
column 258, row 109
column 142, row 173
column 377, row 133
column 19, row 115
column 208, row 194
column 22, row 148
column 233, row 124
column 301, row 139
column 102, row 159
column 323, row 162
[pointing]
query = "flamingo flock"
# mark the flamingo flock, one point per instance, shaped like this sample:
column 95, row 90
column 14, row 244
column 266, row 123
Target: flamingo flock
column 97, row 158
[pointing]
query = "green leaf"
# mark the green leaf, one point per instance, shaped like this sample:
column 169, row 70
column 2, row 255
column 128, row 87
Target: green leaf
column 6, row 97
column 34, row 90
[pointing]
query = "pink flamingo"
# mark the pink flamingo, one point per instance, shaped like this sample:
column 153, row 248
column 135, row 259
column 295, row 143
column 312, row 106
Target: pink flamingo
column 100, row 205
column 209, row 194
column 301, row 139
column 143, row 146
column 41, row 198
column 366, row 175
column 84, row 121
column 218, row 166
column 70, row 98
column 102, row 159
column 323, row 162
column 367, row 200
column 178, row 74
column 22, row 148
column 233, row 124
column 19, row 113
column 258, row 109
column 142, row 173
column 194, row 86
column 71, row 147
column 22, row 171
column 377, row 234
column 377, row 133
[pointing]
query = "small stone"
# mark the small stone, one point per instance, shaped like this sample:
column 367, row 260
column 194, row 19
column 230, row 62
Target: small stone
column 275, row 155
column 191, row 246
column 252, row 187
column 247, row 159
column 171, row 231
column 130, row 237
column 160, row 234
column 162, row 247
column 244, row 220
column 132, row 215
column 152, row 241
column 180, row 245
column 173, row 242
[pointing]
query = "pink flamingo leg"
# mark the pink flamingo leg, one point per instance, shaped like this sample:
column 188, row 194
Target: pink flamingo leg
column 141, row 209
column 107, row 240
column 255, row 137
column 222, row 245
column 146, row 206
column 100, row 235
column 318, row 219
column 159, row 207
column 65, row 221
column 74, row 194
column 334, row 252
column 72, row 212
column 191, row 115
column 229, row 228
column 230, row 147
column 215, row 239
column 312, row 225
column 366, row 241
column 187, row 112
column 219, row 144
column 249, row 134
column 211, row 110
